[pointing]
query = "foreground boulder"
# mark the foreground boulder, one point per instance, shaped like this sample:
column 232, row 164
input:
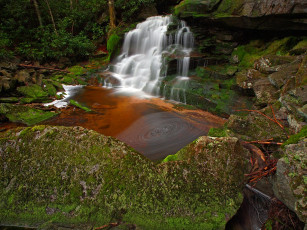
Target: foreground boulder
column 78, row 178
column 290, row 180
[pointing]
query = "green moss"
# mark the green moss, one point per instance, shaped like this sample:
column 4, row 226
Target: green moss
column 9, row 100
column 294, row 139
column 228, row 7
column 281, row 46
column 113, row 44
column 57, row 85
column 32, row 91
column 218, row 132
column 170, row 158
column 77, row 104
column 27, row 100
column 249, row 53
column 68, row 80
column 76, row 71
column 301, row 45
column 50, row 89
column 24, row 114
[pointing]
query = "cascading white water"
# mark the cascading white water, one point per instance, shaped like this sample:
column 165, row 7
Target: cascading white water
column 138, row 67
column 185, row 40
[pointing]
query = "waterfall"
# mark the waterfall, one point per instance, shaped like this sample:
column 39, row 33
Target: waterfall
column 139, row 65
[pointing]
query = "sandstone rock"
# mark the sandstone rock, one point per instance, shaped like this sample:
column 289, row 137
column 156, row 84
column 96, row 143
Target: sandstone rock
column 270, row 64
column 303, row 112
column 4, row 83
column 247, row 79
column 82, row 174
column 147, row 12
column 187, row 8
column 254, row 127
column 278, row 79
column 22, row 76
column 290, row 180
column 247, row 14
column 265, row 92
column 5, row 73
column 294, row 123
column 301, row 76
column 12, row 66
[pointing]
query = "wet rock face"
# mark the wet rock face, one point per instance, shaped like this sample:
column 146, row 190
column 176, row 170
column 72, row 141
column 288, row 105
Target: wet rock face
column 73, row 175
column 263, row 8
column 248, row 14
column 290, row 180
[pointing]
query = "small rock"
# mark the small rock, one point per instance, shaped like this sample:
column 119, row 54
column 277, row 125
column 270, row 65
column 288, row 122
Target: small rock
column 22, row 76
column 265, row 92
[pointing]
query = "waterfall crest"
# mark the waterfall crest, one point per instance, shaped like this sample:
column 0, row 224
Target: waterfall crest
column 139, row 65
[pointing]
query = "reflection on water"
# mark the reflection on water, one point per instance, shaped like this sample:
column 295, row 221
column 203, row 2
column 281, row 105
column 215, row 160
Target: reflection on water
column 151, row 126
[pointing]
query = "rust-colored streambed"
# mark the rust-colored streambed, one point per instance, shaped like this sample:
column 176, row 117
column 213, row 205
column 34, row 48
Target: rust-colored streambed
column 152, row 126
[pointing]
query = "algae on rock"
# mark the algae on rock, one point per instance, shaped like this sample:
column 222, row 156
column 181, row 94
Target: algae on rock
column 71, row 176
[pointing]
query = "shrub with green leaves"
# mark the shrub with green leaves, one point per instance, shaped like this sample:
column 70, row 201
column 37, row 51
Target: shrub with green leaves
column 5, row 42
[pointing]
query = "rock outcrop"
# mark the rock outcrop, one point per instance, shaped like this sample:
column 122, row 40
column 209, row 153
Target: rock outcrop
column 248, row 14
column 77, row 177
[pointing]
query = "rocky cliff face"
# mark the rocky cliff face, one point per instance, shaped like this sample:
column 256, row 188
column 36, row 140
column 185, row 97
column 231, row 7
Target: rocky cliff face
column 248, row 14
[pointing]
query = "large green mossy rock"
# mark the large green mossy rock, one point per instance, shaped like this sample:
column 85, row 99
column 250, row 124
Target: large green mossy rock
column 71, row 176
column 24, row 114
column 33, row 91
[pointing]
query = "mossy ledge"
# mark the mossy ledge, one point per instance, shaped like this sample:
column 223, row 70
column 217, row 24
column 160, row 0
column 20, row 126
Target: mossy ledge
column 78, row 178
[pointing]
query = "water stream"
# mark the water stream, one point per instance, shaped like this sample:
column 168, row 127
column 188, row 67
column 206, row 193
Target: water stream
column 151, row 126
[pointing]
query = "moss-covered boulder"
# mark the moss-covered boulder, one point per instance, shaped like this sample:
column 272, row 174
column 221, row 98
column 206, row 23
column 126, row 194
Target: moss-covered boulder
column 24, row 114
column 33, row 91
column 77, row 177
column 290, row 181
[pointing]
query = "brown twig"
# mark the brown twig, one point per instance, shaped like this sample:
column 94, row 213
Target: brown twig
column 254, row 149
column 263, row 172
column 107, row 225
column 264, row 142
